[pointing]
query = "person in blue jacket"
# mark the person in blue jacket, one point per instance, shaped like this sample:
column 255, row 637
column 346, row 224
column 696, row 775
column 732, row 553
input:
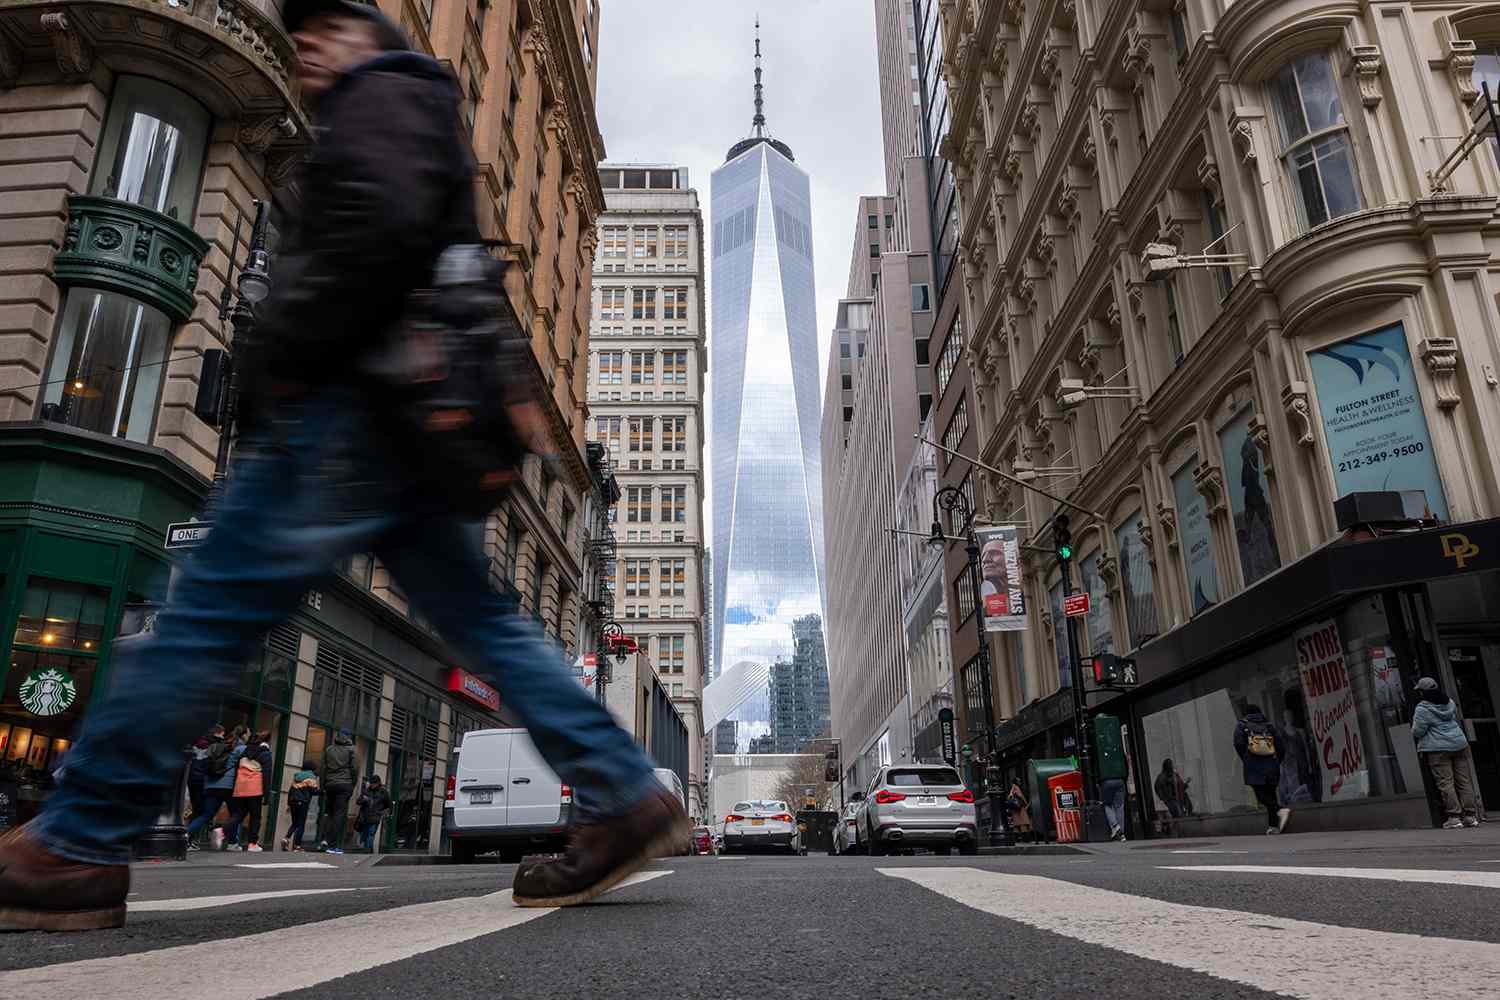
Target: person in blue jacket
column 1261, row 747
column 1443, row 744
column 218, row 786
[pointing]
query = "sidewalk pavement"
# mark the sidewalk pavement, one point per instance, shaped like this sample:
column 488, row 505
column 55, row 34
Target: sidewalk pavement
column 1484, row 838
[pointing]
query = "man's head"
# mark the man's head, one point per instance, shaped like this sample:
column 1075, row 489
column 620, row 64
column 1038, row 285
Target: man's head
column 334, row 36
column 375, row 781
column 992, row 563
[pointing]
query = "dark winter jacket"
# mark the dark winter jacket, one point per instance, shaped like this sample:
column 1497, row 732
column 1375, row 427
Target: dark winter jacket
column 388, row 185
column 338, row 763
column 225, row 782
column 374, row 804
column 1259, row 770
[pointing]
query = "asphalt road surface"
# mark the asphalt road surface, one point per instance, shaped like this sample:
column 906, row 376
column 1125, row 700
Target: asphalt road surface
column 1331, row 918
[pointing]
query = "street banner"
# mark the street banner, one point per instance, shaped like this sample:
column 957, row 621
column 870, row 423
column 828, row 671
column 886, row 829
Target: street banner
column 1373, row 419
column 1000, row 592
column 950, row 736
column 1331, row 716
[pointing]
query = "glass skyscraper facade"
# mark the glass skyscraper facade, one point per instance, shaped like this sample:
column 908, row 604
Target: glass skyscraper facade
column 767, row 506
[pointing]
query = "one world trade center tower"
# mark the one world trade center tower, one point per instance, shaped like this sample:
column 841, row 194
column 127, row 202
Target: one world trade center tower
column 767, row 508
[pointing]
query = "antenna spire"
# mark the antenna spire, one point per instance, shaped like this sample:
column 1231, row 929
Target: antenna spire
column 760, row 103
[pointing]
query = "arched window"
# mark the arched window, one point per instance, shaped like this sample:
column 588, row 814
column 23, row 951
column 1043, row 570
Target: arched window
column 1315, row 139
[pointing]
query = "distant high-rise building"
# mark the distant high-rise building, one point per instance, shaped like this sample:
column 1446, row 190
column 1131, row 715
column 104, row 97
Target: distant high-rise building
column 763, row 744
column 724, row 737
column 766, row 450
column 647, row 355
column 799, row 689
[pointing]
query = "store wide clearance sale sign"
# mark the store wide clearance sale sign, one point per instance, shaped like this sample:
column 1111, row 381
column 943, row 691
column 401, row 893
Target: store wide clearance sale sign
column 1330, row 711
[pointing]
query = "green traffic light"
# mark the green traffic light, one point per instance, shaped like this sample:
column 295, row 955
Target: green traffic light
column 1065, row 552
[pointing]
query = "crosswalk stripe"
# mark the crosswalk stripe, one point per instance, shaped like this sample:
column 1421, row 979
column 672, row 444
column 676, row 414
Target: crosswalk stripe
column 288, row 864
column 303, row 956
column 209, row 902
column 1298, row 958
column 1487, row 880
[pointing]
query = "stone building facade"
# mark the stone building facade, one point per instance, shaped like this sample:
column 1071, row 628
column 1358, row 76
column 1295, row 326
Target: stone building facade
column 134, row 140
column 647, row 361
column 1205, row 422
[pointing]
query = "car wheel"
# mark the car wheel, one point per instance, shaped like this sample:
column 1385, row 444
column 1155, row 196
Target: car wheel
column 463, row 854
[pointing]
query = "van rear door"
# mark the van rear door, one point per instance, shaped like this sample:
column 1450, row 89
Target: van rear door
column 535, row 792
column 482, row 792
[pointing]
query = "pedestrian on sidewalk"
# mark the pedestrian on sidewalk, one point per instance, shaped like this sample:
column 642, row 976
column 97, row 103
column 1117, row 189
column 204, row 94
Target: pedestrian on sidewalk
column 250, row 784
column 339, row 768
column 198, row 770
column 299, row 800
column 1444, row 745
column 1170, row 789
column 373, row 806
column 220, row 765
column 336, row 457
column 1261, row 747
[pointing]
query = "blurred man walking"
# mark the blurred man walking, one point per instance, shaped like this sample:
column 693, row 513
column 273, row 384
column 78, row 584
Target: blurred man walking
column 389, row 188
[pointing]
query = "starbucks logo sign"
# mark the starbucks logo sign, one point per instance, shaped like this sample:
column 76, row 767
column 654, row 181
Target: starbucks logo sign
column 48, row 691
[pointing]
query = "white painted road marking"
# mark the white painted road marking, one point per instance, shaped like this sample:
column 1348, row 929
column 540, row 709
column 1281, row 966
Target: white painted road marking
column 290, row 864
column 1487, row 880
column 1210, row 852
column 208, row 902
column 1297, row 958
column 286, row 959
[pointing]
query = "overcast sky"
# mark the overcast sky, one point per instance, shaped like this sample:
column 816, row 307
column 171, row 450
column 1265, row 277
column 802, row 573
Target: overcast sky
column 676, row 81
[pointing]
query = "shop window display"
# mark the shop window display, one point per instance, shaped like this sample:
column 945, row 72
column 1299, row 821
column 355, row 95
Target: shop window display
column 1336, row 691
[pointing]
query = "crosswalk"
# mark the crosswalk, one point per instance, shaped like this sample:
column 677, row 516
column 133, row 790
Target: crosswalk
column 1293, row 957
column 1239, row 947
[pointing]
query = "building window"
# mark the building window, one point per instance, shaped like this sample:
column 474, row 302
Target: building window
column 638, row 504
column 674, row 504
column 921, row 298
column 922, row 348
column 539, row 585
column 874, row 250
column 674, row 303
column 107, row 365
column 1177, row 21
column 674, row 433
column 1174, row 322
column 615, row 242
column 673, row 654
column 846, row 382
column 953, row 349
column 607, row 432
column 963, row 590
column 642, row 431
column 612, row 303
column 874, row 222
column 611, row 367
column 646, row 242
column 642, row 367
column 1213, row 214
column 153, row 143
column 1315, row 139
column 637, row 577
column 513, row 548
column 643, row 303
column 1487, row 69
column 675, row 243
column 958, row 426
column 674, row 367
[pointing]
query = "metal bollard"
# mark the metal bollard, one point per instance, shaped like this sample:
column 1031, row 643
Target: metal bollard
column 166, row 838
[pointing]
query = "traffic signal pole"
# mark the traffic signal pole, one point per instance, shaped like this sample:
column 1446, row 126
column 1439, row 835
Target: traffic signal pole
column 1062, row 538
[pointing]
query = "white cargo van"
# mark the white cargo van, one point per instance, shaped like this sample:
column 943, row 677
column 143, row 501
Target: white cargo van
column 673, row 784
column 503, row 797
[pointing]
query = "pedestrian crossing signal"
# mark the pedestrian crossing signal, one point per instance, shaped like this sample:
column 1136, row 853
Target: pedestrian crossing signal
column 1114, row 671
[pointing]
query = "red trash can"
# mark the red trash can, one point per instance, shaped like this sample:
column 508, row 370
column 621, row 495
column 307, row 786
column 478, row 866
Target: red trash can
column 1066, row 790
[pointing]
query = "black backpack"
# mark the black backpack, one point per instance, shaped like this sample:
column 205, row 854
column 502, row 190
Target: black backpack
column 216, row 762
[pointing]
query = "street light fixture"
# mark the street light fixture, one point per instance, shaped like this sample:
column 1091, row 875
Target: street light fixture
column 254, row 286
column 1161, row 260
column 1028, row 473
column 1072, row 392
column 953, row 500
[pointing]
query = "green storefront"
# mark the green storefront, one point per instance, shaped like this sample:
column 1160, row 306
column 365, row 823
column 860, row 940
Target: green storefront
column 82, row 520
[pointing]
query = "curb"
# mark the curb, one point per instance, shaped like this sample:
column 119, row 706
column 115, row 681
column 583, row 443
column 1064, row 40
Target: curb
column 411, row 860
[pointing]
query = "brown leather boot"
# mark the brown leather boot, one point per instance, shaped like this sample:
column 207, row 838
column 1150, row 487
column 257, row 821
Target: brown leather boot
column 603, row 854
column 43, row 892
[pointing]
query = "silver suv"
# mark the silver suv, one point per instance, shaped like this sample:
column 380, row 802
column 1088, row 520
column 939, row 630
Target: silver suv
column 918, row 805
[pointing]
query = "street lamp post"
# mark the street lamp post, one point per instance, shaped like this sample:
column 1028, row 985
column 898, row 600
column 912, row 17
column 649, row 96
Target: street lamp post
column 951, row 499
column 254, row 286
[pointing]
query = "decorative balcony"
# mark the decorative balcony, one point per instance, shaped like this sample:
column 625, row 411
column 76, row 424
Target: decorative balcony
column 124, row 248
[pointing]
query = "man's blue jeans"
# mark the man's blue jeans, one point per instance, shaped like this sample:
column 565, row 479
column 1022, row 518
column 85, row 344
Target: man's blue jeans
column 314, row 488
column 1112, row 793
